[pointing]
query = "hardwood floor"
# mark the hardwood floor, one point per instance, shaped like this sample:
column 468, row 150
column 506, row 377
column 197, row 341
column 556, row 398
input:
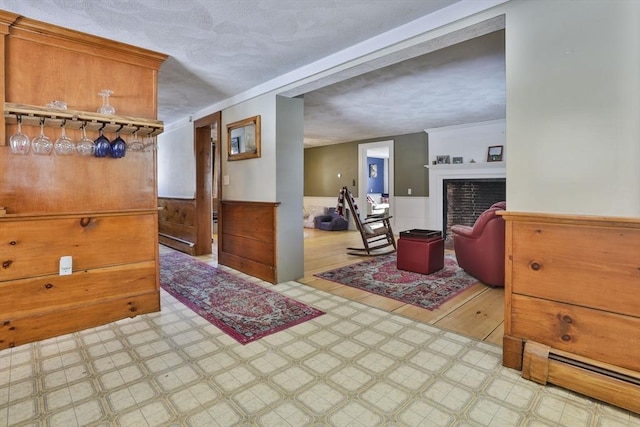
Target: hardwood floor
column 477, row 312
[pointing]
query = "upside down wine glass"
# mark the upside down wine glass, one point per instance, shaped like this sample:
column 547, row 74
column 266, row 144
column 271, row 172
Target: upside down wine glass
column 85, row 146
column 64, row 146
column 102, row 146
column 19, row 142
column 135, row 144
column 42, row 144
column 118, row 147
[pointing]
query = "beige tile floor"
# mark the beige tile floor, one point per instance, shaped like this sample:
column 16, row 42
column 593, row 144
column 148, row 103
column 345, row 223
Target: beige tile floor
column 354, row 366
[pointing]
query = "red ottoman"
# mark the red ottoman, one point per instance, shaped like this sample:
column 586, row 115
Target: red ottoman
column 420, row 251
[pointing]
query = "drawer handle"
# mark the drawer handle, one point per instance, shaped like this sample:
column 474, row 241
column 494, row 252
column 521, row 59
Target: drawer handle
column 85, row 221
column 535, row 266
column 13, row 243
column 48, row 286
column 7, row 263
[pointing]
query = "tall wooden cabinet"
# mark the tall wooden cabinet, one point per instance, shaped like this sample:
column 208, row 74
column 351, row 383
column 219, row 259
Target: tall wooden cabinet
column 572, row 303
column 100, row 211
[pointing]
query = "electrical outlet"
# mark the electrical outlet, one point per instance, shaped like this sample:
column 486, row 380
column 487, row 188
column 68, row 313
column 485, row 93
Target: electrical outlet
column 66, row 265
column 409, row 191
column 225, row 180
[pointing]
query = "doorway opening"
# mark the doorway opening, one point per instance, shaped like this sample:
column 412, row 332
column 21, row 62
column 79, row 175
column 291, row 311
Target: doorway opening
column 376, row 178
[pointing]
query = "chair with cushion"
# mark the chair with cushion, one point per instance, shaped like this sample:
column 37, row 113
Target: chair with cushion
column 331, row 221
column 375, row 231
column 480, row 249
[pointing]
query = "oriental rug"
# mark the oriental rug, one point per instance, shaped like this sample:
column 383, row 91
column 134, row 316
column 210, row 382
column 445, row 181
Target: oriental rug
column 243, row 310
column 380, row 276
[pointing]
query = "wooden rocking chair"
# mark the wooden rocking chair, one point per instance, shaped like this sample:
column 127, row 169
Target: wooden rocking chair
column 375, row 230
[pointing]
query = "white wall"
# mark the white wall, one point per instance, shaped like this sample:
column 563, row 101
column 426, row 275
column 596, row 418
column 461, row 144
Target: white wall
column 410, row 213
column 251, row 179
column 469, row 141
column 289, row 169
column 273, row 177
column 573, row 107
column 177, row 163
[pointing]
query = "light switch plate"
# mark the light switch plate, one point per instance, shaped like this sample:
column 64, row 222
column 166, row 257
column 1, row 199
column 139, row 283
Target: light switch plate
column 66, row 265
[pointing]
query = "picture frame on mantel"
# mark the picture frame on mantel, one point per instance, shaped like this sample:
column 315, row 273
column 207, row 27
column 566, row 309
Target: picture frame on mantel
column 494, row 153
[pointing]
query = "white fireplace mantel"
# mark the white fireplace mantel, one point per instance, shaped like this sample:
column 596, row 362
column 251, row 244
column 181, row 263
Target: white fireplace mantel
column 439, row 173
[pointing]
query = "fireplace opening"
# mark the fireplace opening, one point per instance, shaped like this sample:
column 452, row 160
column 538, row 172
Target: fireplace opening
column 464, row 200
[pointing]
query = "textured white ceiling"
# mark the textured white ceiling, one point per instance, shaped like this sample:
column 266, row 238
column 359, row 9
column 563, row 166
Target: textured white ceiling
column 220, row 48
column 463, row 83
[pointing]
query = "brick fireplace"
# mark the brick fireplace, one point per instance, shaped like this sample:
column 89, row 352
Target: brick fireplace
column 478, row 174
column 464, row 200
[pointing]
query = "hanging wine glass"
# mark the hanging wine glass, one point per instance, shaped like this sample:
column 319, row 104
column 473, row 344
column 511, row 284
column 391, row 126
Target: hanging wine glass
column 135, row 144
column 19, row 142
column 106, row 108
column 103, row 146
column 149, row 143
column 118, row 147
column 42, row 144
column 64, row 146
column 85, row 146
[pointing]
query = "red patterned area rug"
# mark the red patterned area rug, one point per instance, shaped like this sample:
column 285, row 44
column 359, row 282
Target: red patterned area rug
column 380, row 276
column 243, row 310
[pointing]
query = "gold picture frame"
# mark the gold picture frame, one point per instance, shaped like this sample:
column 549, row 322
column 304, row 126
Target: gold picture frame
column 243, row 139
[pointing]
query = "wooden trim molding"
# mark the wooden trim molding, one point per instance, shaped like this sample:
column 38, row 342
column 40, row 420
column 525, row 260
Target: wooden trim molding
column 247, row 237
column 53, row 35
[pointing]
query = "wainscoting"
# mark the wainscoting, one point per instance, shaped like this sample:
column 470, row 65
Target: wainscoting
column 176, row 221
column 247, row 238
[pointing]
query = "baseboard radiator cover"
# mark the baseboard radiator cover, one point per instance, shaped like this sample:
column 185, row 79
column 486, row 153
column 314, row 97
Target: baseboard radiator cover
column 609, row 383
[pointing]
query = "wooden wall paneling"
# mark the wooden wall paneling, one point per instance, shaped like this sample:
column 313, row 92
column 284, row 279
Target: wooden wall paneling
column 129, row 71
column 66, row 320
column 55, row 184
column 177, row 223
column 608, row 337
column 573, row 287
column 53, row 292
column 591, row 259
column 33, row 245
column 101, row 211
column 6, row 19
column 247, row 238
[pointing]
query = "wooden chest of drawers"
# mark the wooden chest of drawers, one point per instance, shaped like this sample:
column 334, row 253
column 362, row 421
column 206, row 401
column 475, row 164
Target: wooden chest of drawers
column 573, row 303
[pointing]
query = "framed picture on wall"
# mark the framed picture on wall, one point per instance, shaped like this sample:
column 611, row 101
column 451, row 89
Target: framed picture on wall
column 373, row 170
column 494, row 153
column 235, row 145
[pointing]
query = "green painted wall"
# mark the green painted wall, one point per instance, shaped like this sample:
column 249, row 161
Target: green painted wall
column 411, row 154
column 323, row 164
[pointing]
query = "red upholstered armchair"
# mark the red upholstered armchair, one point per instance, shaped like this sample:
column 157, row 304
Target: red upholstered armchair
column 480, row 249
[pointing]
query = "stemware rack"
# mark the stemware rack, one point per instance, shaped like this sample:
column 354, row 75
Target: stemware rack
column 31, row 115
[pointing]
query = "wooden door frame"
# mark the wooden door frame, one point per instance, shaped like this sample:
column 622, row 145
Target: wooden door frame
column 204, row 179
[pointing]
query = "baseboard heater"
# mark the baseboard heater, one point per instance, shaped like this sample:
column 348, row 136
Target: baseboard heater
column 612, row 384
column 177, row 243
